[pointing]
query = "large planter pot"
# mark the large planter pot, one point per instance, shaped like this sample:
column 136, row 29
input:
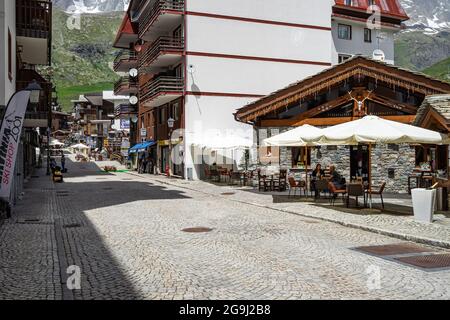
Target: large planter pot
column 424, row 204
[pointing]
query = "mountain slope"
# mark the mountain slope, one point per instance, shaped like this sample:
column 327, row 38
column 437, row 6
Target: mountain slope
column 83, row 57
column 440, row 70
column 91, row 6
column 430, row 16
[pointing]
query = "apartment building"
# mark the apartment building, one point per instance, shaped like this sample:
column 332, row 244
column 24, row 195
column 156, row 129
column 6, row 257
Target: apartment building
column 199, row 61
column 363, row 26
column 25, row 31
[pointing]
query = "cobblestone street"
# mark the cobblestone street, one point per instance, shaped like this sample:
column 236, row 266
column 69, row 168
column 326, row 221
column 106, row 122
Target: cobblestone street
column 125, row 233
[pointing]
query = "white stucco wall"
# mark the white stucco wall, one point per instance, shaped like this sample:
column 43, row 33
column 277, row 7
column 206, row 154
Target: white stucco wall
column 7, row 22
column 357, row 45
column 248, row 40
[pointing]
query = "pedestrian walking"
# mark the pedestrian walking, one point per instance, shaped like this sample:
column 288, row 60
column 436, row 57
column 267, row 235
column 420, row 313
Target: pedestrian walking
column 63, row 163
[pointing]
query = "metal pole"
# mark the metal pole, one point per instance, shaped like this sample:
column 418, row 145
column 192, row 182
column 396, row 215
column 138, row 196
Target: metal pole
column 170, row 153
column 370, row 175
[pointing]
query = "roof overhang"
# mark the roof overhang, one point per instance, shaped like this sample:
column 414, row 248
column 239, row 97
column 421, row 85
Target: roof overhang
column 357, row 66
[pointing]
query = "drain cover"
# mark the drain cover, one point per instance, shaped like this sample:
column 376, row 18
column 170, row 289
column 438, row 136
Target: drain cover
column 228, row 194
column 108, row 189
column 72, row 226
column 436, row 261
column 197, row 230
column 394, row 249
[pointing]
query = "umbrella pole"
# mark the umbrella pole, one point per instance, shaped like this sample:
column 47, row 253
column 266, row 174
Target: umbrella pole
column 370, row 175
column 307, row 186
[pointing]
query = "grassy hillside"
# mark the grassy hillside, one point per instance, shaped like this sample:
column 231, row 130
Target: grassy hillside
column 440, row 70
column 82, row 59
column 417, row 51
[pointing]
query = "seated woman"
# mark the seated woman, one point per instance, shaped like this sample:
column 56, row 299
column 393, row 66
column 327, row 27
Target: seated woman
column 316, row 175
column 337, row 179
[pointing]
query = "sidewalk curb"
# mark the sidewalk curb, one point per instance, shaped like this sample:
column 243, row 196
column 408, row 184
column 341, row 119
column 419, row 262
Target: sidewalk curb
column 400, row 236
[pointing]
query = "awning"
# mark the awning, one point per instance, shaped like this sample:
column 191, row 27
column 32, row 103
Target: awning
column 142, row 146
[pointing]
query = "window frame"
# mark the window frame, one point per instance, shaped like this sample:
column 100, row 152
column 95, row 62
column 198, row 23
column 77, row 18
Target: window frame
column 341, row 25
column 367, row 31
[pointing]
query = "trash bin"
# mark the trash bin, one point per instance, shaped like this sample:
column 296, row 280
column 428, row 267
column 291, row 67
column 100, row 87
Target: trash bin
column 424, row 203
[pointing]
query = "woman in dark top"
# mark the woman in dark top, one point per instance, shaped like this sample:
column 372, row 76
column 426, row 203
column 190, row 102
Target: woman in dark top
column 316, row 175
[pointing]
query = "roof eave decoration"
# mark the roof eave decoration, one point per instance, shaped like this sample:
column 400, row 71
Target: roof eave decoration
column 357, row 66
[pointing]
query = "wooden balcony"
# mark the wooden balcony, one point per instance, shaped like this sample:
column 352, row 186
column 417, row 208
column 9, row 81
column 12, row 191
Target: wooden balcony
column 125, row 60
column 164, row 16
column 34, row 31
column 126, row 86
column 164, row 52
column 125, row 110
column 161, row 90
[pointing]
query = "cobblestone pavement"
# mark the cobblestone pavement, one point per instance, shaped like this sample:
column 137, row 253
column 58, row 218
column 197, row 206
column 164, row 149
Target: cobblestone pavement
column 391, row 224
column 124, row 232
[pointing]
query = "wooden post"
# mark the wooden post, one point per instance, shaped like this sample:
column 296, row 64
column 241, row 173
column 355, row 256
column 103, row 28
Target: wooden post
column 370, row 174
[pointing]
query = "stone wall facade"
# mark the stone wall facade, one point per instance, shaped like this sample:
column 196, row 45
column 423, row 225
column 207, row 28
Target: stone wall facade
column 390, row 163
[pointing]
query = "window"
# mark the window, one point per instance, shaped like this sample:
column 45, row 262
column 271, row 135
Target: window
column 175, row 114
column 344, row 32
column 10, row 56
column 367, row 35
column 162, row 116
column 348, row 2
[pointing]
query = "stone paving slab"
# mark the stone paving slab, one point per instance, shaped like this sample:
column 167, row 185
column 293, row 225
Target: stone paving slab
column 401, row 227
column 125, row 234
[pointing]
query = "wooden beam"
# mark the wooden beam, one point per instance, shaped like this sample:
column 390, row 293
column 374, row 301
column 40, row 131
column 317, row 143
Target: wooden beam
column 325, row 122
column 393, row 103
column 330, row 105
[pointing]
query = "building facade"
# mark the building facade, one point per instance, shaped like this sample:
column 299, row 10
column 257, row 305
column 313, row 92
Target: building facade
column 360, row 86
column 199, row 61
column 25, row 31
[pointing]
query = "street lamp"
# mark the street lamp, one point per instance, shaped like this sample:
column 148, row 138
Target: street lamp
column 36, row 90
column 171, row 124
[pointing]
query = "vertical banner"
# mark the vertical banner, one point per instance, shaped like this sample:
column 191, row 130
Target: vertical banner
column 10, row 133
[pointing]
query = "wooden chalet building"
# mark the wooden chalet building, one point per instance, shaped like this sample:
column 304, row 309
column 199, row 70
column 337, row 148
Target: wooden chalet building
column 358, row 87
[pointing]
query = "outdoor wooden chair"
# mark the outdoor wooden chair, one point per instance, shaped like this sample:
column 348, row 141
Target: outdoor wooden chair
column 354, row 190
column 263, row 182
column 377, row 191
column 280, row 184
column 296, row 185
column 336, row 192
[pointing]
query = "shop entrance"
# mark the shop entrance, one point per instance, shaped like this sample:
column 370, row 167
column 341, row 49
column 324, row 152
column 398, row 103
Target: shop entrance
column 359, row 163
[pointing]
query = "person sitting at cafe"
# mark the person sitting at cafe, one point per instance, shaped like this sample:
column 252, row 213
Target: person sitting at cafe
column 337, row 179
column 316, row 175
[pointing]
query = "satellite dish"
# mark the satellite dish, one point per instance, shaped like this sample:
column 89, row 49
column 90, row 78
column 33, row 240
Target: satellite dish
column 379, row 55
column 134, row 100
column 133, row 73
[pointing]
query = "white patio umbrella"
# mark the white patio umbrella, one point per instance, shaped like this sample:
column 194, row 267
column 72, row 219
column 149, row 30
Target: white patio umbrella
column 298, row 137
column 56, row 143
column 372, row 130
column 80, row 146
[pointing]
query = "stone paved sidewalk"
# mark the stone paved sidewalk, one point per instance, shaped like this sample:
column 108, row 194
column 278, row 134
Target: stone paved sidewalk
column 397, row 226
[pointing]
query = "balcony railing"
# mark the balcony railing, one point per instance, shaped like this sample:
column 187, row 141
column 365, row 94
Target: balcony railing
column 161, row 85
column 125, row 109
column 125, row 85
column 160, row 6
column 124, row 56
column 34, row 18
column 163, row 44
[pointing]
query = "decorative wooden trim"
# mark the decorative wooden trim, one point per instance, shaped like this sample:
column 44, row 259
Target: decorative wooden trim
column 327, row 121
column 253, row 20
column 266, row 59
column 359, row 66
